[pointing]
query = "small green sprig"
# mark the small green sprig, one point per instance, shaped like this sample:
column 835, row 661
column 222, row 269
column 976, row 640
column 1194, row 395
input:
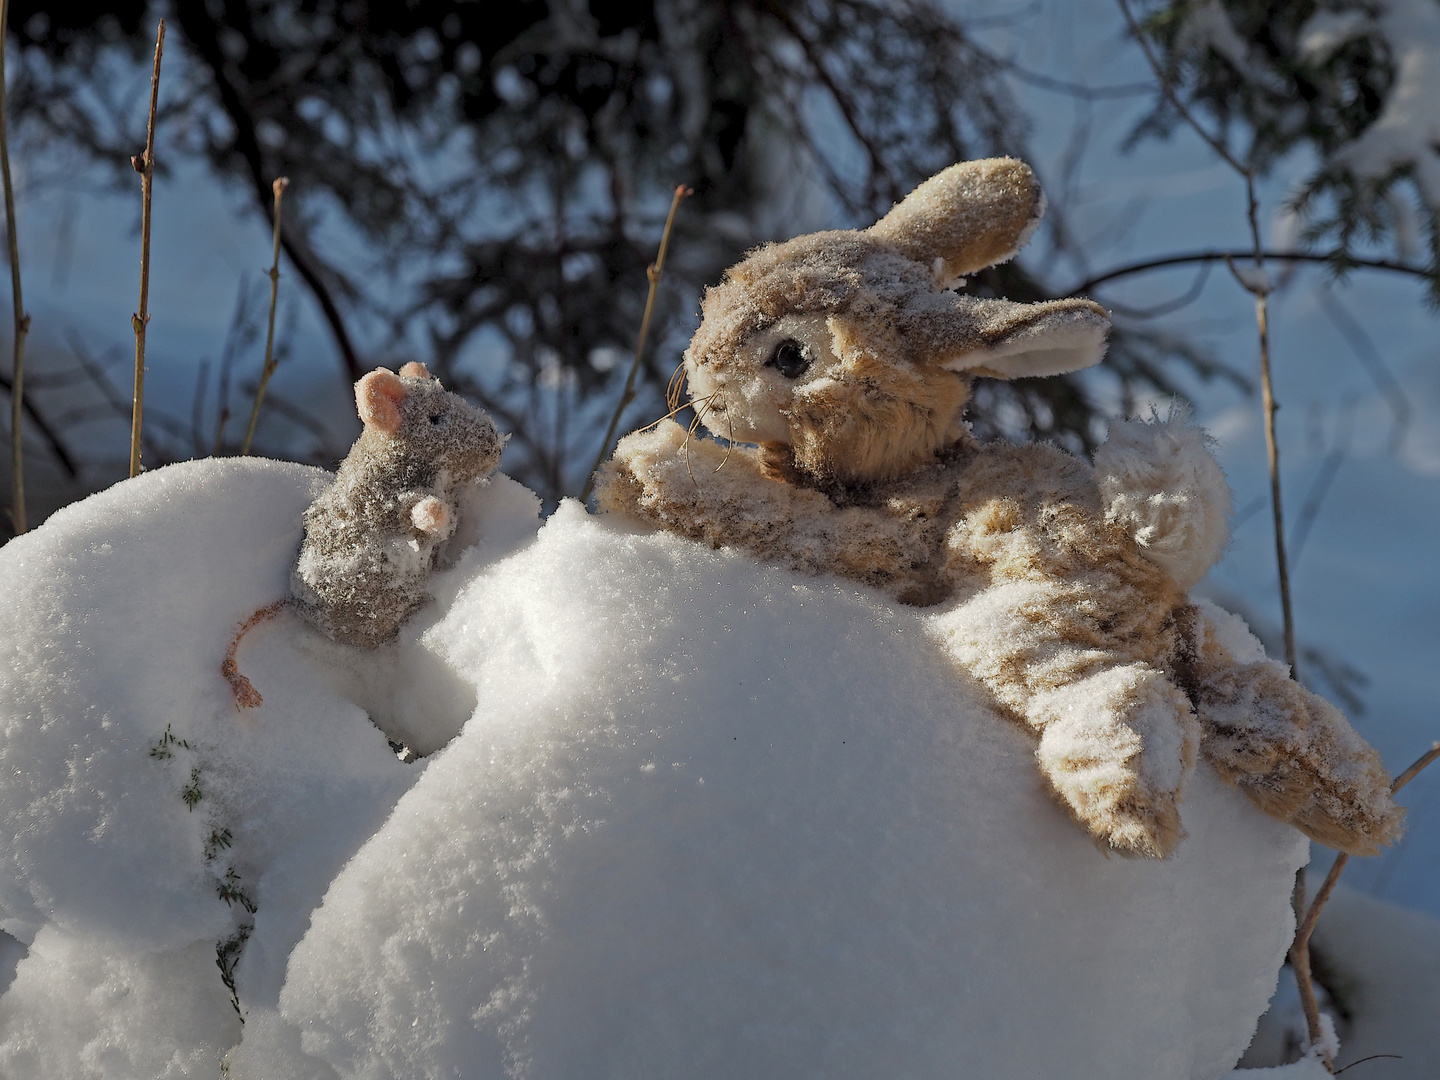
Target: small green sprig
column 192, row 792
column 227, row 955
column 219, row 840
column 232, row 892
column 164, row 749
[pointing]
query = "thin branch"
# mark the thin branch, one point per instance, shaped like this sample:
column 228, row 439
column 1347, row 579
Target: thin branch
column 1169, row 306
column 1329, row 469
column 653, row 272
column 1174, row 98
column 22, row 321
column 1372, row 1057
column 1307, row 928
column 47, row 431
column 114, row 400
column 1374, row 365
column 197, row 408
column 204, row 33
column 236, row 338
column 279, row 186
column 842, row 101
column 1301, row 948
column 1071, row 89
column 1257, row 283
column 145, row 166
column 1221, row 256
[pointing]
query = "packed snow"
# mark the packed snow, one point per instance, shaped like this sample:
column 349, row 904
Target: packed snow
column 704, row 817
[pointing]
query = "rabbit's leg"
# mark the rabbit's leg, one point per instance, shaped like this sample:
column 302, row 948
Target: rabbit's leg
column 723, row 496
column 697, row 488
column 1294, row 754
column 1116, row 746
column 1117, row 737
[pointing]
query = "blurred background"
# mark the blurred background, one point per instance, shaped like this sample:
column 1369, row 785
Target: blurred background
column 481, row 185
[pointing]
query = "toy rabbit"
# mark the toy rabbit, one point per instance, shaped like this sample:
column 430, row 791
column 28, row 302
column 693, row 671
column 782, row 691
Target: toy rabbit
column 837, row 366
column 372, row 538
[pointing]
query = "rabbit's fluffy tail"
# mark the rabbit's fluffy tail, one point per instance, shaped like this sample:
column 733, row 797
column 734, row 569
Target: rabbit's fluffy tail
column 1160, row 481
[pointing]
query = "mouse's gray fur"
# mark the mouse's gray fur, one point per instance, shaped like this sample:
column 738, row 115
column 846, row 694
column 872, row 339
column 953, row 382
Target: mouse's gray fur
column 365, row 561
column 372, row 539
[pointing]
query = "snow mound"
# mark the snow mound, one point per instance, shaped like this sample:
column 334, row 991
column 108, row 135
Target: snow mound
column 145, row 825
column 713, row 819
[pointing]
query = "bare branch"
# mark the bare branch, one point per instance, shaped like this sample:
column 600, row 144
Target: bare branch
column 1332, row 258
column 145, row 166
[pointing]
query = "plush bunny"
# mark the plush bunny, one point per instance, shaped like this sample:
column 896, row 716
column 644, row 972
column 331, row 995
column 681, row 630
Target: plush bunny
column 837, row 367
column 372, row 538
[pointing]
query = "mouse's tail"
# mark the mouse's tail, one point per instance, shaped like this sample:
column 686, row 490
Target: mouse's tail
column 246, row 696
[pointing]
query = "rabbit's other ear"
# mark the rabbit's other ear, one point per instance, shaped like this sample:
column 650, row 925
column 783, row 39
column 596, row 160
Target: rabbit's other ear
column 415, row 370
column 970, row 216
column 1004, row 339
column 377, row 398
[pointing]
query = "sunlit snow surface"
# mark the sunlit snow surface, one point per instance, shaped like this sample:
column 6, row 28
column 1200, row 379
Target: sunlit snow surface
column 707, row 819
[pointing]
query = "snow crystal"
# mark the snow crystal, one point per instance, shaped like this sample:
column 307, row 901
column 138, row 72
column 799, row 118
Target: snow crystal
column 711, row 818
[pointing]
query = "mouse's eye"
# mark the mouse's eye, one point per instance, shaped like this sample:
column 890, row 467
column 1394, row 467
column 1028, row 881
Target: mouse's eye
column 437, row 418
column 789, row 359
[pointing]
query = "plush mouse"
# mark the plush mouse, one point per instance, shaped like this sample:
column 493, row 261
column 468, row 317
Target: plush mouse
column 837, row 367
column 371, row 540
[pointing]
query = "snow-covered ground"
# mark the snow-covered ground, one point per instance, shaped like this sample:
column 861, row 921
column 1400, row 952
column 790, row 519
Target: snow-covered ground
column 702, row 818
column 107, row 868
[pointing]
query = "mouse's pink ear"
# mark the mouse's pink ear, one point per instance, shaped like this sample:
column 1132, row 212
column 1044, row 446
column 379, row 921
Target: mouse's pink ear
column 377, row 397
column 415, row 370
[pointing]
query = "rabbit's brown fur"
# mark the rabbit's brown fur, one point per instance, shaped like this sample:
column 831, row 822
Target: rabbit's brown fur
column 841, row 358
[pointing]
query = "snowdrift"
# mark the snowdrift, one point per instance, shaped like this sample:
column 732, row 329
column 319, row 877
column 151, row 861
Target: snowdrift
column 704, row 818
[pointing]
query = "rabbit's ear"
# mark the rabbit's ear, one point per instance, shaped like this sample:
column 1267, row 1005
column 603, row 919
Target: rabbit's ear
column 966, row 218
column 415, row 370
column 1003, row 339
column 377, row 398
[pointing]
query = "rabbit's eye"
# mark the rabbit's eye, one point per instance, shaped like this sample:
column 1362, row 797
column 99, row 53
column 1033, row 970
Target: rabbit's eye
column 437, row 418
column 789, row 359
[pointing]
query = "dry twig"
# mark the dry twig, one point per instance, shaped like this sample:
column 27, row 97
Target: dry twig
column 1257, row 283
column 22, row 321
column 279, row 186
column 1301, row 948
column 652, row 272
column 145, row 166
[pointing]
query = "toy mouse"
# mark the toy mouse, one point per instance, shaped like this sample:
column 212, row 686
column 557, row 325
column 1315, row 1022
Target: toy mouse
column 372, row 538
column 837, row 367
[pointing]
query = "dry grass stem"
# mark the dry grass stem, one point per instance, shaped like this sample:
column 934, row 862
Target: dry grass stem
column 279, row 186
column 1257, row 283
column 145, row 166
column 1300, row 950
column 652, row 272
column 22, row 321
